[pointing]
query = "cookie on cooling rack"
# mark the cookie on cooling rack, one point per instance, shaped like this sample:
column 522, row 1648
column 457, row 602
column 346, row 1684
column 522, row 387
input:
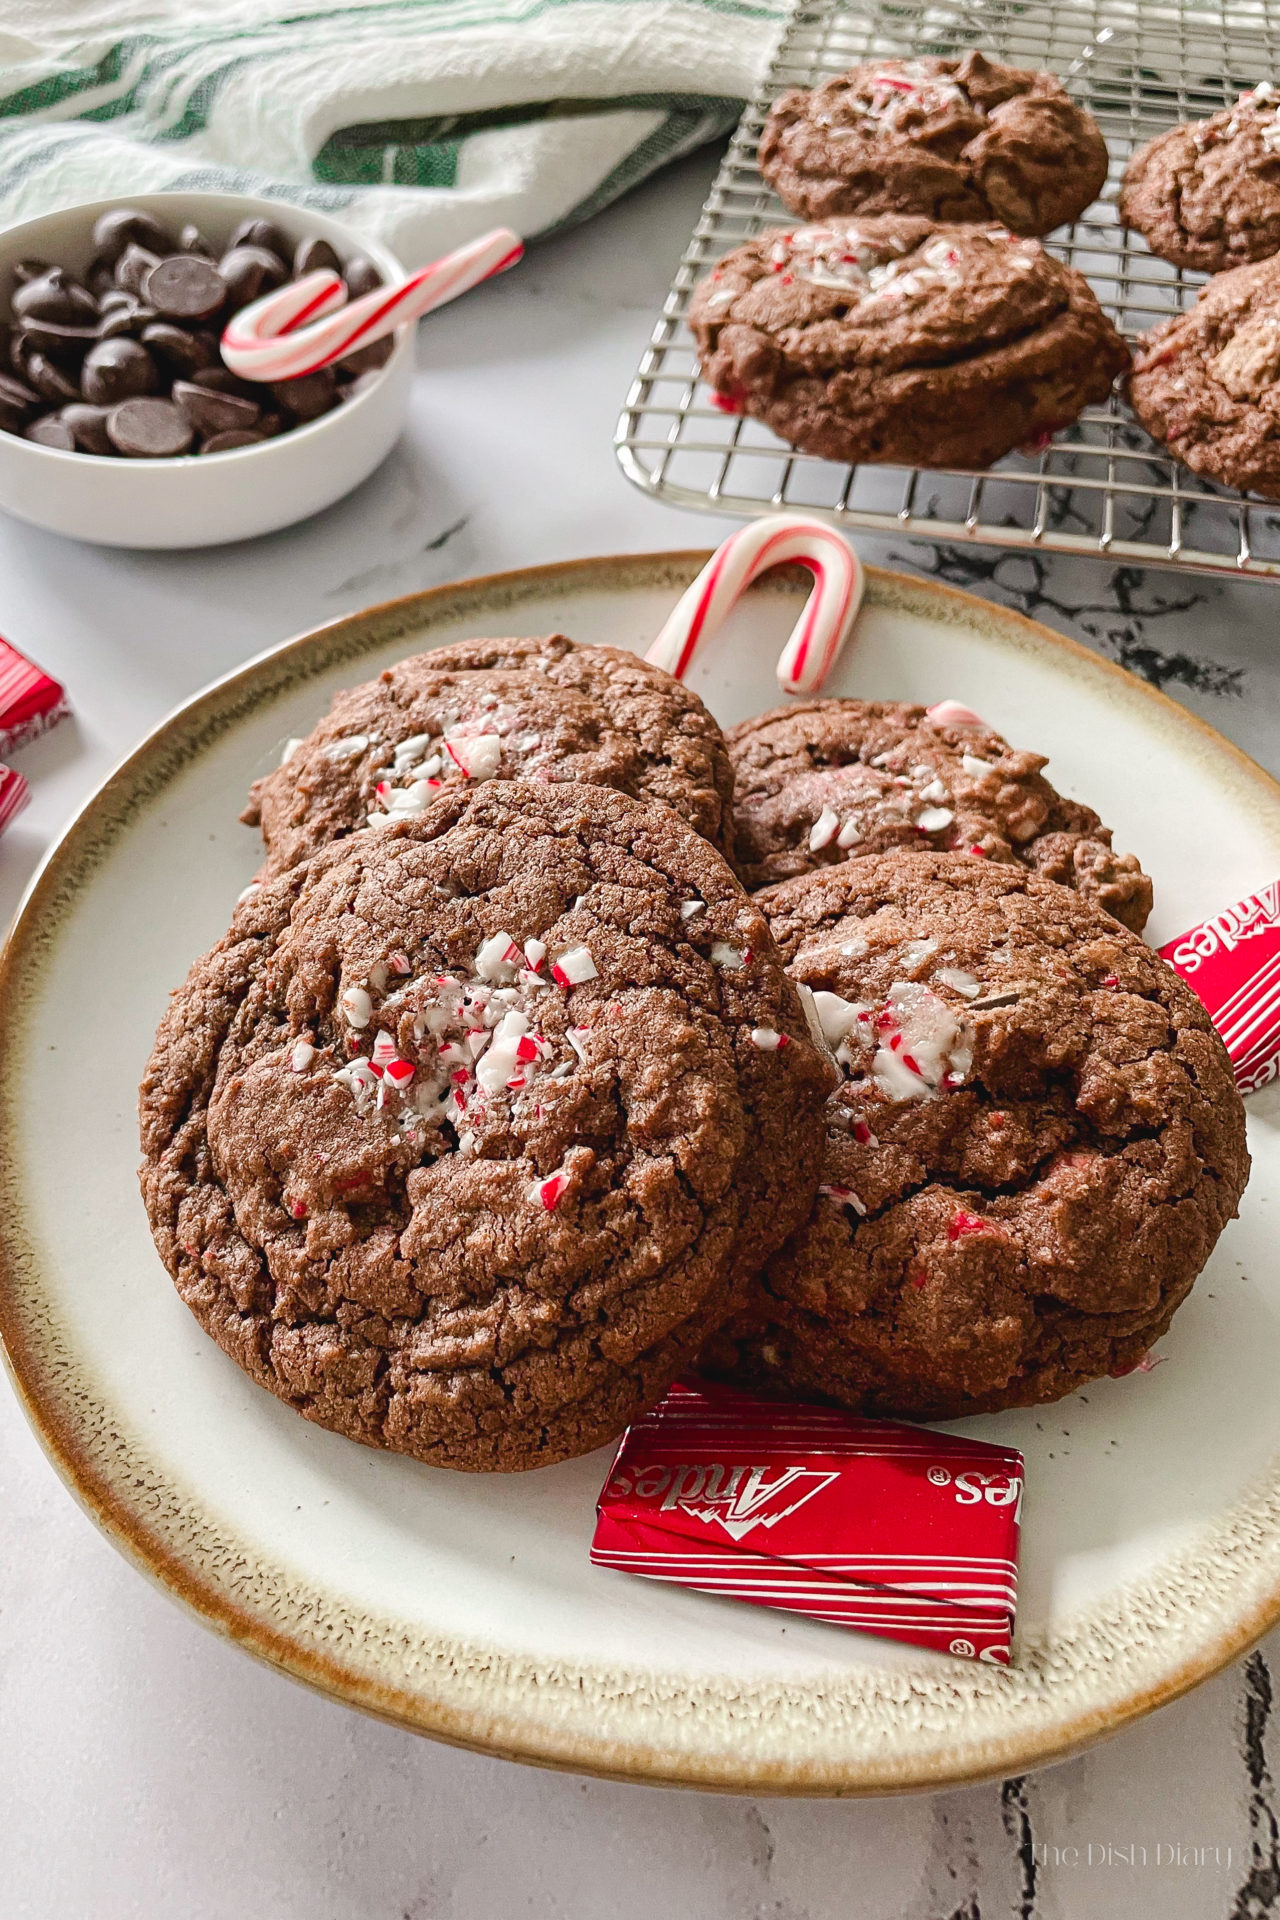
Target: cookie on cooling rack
column 897, row 340
column 1035, row 1146
column 469, row 1130
column 821, row 782
column 1206, row 195
column 541, row 709
column 964, row 139
column 1207, row 383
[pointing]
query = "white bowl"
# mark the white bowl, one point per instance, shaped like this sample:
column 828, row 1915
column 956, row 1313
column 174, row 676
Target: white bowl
column 199, row 501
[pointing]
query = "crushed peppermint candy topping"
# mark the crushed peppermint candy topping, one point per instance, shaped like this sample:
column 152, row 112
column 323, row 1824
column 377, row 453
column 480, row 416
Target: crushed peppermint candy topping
column 350, row 747
column 959, row 981
column 574, row 966
column 824, row 829
column 844, row 1197
column 548, row 1192
column 934, row 819
column 768, row 1039
column 301, row 1054
column 690, row 909
column 924, row 1048
column 448, row 1050
column 290, row 747
column 469, row 748
column 731, row 959
column 845, row 261
column 357, row 1007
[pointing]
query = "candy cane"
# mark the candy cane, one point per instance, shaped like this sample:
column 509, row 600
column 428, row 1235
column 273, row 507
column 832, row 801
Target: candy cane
column 823, row 627
column 307, row 325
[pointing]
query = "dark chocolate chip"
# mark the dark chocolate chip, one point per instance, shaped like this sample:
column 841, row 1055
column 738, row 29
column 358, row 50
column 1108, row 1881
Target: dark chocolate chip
column 361, row 276
column 24, row 270
column 185, row 287
column 182, row 349
column 89, row 425
column 311, row 255
column 100, row 278
column 260, row 233
column 271, row 424
column 133, row 266
column 307, row 397
column 250, row 271
column 122, row 227
column 149, row 430
column 191, row 240
column 17, row 403
column 131, row 320
column 117, row 370
column 51, row 431
column 368, row 359
column 233, row 437
column 67, row 344
column 55, row 295
column 214, row 413
column 222, row 380
column 50, row 380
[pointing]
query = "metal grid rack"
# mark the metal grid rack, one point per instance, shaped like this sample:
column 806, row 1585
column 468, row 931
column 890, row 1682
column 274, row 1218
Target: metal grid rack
column 1102, row 487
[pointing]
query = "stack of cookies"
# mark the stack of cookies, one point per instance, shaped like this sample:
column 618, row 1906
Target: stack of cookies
column 915, row 318
column 503, row 1101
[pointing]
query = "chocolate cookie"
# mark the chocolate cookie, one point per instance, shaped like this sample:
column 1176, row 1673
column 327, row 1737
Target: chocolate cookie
column 463, row 1136
column 1036, row 1145
column 824, row 781
column 1206, row 195
column 543, row 710
column 892, row 339
column 1207, row 383
column 964, row 139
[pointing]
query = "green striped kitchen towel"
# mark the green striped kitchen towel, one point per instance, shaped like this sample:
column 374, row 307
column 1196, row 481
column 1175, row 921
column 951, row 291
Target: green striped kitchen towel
column 421, row 121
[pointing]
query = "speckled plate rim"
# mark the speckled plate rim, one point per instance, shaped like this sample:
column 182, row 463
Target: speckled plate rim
column 606, row 1721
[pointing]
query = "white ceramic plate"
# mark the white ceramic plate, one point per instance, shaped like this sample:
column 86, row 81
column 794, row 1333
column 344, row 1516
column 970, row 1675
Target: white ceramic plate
column 465, row 1606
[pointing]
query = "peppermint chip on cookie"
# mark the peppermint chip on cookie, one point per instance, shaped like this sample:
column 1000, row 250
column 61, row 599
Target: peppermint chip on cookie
column 1035, row 1146
column 526, row 709
column 467, row 1132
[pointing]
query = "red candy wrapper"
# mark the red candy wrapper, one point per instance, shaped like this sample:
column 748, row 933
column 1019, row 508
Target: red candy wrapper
column 29, row 700
column 1232, row 961
column 898, row 1531
column 14, row 795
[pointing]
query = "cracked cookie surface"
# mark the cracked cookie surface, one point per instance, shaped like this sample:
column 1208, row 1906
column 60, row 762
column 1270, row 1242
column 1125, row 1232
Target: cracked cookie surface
column 894, row 339
column 464, row 1135
column 1207, row 383
column 1035, row 1146
column 511, row 709
column 1206, row 195
column 824, row 781
column 966, row 139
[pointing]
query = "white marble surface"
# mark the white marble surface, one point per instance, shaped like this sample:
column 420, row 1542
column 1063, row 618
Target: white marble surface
column 146, row 1769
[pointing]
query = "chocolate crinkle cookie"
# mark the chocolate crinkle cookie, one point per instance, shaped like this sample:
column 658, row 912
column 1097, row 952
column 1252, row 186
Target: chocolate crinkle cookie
column 527, row 709
column 1206, row 195
column 964, row 139
column 469, row 1130
column 1207, row 383
column 821, row 782
column 893, row 339
column 1035, row 1147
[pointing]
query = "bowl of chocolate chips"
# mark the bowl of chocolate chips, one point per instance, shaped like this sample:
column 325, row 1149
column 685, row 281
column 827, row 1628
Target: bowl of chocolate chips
column 120, row 423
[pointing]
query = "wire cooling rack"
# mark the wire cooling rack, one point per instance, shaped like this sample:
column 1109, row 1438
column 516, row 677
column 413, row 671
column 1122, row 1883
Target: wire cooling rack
column 1102, row 487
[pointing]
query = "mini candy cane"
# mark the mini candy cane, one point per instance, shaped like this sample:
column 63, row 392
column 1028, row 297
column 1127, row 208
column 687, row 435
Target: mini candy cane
column 823, row 627
column 307, row 325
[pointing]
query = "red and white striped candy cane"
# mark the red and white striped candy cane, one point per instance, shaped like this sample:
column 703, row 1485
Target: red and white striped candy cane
column 823, row 627
column 307, row 325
